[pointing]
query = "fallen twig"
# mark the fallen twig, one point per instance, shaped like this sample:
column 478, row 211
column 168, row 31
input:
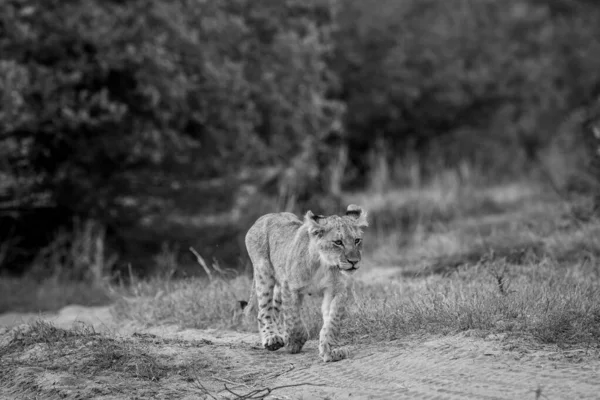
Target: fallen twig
column 262, row 393
column 203, row 389
column 230, row 382
column 278, row 374
column 202, row 263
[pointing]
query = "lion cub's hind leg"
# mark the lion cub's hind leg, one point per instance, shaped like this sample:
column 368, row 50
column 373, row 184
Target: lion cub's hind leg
column 277, row 307
column 267, row 307
column 295, row 334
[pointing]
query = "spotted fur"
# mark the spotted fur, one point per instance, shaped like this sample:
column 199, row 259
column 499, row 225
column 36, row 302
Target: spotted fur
column 291, row 258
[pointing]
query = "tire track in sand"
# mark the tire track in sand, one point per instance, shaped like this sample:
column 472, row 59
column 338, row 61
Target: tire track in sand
column 446, row 368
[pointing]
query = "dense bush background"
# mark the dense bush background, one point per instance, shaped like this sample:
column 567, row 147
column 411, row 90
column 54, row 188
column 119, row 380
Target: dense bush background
column 178, row 122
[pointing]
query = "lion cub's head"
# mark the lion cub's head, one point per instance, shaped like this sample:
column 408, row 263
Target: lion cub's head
column 338, row 239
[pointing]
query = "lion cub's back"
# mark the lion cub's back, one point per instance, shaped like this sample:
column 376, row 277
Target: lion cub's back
column 271, row 231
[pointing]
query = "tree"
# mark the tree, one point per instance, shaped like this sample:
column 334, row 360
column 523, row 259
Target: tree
column 114, row 109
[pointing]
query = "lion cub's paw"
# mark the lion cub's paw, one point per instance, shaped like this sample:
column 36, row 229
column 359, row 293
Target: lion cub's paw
column 295, row 346
column 295, row 342
column 336, row 355
column 273, row 343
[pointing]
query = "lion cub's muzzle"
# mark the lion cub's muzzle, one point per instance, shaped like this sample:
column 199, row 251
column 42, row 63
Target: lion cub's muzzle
column 350, row 264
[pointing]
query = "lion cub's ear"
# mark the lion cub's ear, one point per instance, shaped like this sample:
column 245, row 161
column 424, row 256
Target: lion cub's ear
column 359, row 215
column 314, row 227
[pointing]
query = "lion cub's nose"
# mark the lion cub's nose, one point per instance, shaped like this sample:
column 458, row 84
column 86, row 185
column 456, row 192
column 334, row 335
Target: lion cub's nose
column 353, row 261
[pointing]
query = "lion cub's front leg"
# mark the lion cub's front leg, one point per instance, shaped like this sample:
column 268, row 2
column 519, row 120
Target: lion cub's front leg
column 333, row 309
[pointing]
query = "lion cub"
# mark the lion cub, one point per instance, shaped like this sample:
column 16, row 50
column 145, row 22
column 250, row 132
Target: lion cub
column 292, row 257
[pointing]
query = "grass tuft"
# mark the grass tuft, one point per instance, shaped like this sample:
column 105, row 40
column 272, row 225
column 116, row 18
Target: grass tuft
column 56, row 349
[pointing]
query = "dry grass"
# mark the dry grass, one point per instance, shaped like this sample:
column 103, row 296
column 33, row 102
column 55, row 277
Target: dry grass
column 193, row 302
column 511, row 261
column 541, row 301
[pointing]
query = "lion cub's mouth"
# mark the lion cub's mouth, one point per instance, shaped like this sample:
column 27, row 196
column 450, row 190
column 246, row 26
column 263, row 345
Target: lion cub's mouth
column 350, row 270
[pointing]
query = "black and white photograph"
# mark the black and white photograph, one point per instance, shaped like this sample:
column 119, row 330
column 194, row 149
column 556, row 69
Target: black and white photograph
column 300, row 199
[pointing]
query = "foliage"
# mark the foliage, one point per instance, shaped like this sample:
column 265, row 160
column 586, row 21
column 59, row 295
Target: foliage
column 110, row 107
column 182, row 120
column 465, row 80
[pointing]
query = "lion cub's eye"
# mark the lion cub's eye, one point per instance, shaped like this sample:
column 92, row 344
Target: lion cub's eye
column 338, row 242
column 357, row 241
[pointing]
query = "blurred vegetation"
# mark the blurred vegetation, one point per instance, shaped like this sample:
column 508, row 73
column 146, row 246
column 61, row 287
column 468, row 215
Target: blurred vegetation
column 181, row 121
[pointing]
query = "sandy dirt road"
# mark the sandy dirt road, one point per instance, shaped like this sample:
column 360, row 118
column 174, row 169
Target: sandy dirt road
column 457, row 367
column 454, row 367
